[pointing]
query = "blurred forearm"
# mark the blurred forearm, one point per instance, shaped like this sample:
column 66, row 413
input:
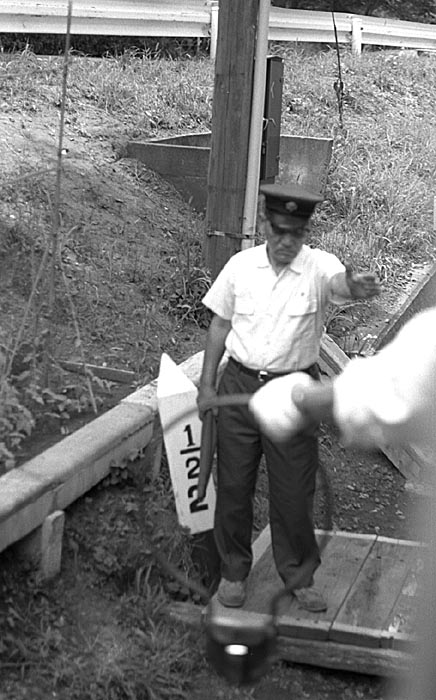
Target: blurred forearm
column 215, row 345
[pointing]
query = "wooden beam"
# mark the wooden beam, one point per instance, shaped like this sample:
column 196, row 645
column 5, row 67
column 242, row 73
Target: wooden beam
column 332, row 359
column 230, row 130
column 347, row 657
column 405, row 459
column 122, row 376
column 423, row 296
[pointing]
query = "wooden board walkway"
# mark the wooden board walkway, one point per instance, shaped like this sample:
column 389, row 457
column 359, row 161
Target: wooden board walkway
column 411, row 462
column 371, row 583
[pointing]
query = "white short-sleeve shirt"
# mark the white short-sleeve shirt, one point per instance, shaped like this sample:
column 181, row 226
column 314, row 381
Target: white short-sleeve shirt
column 277, row 320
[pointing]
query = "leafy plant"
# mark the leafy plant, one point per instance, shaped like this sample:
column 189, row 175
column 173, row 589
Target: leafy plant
column 16, row 423
column 137, row 286
column 184, row 293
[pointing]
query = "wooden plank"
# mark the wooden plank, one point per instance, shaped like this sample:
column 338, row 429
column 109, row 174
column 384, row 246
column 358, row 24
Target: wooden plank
column 345, row 657
column 112, row 374
column 263, row 583
column 399, row 631
column 405, row 459
column 332, row 655
column 422, row 297
column 261, row 544
column 342, row 559
column 332, row 361
column 343, row 552
column 236, row 616
column 373, row 595
column 369, row 582
column 303, row 627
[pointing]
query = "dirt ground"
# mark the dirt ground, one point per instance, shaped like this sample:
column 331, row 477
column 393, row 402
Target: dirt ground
column 85, row 602
column 108, row 201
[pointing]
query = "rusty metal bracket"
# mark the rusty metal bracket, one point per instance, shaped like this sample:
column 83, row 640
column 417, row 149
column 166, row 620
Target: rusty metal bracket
column 225, row 234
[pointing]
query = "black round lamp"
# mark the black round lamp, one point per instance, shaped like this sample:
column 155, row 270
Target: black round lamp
column 240, row 646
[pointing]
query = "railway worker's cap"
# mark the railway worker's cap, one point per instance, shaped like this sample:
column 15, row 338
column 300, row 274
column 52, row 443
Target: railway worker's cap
column 289, row 200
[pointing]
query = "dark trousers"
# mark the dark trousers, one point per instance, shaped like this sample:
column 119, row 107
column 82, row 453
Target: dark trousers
column 291, row 468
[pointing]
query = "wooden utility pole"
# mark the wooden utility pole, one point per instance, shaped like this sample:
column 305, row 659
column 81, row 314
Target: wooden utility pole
column 232, row 100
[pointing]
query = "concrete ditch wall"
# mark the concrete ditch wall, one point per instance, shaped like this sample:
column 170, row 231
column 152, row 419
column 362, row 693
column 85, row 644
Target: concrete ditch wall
column 50, row 482
column 422, row 297
column 184, row 161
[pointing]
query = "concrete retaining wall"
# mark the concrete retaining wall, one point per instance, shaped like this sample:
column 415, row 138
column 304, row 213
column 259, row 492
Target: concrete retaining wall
column 184, row 161
column 422, row 297
column 57, row 477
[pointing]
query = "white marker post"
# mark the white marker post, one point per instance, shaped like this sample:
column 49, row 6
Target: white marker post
column 176, row 395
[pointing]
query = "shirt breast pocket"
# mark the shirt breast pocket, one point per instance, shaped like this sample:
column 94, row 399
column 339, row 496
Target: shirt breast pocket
column 244, row 304
column 302, row 306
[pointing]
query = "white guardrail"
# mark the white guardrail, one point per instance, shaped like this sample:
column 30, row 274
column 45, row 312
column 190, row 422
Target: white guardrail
column 199, row 18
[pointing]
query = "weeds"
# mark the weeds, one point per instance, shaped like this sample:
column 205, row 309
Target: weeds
column 378, row 208
column 126, row 650
column 26, row 402
column 16, row 423
column 135, row 279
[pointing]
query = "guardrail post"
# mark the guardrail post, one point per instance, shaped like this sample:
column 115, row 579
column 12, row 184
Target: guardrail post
column 213, row 28
column 356, row 36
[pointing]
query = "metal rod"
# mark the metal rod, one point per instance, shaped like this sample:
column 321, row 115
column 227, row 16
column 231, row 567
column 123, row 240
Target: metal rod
column 256, row 127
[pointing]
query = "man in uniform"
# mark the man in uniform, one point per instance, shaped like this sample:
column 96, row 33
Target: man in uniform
column 269, row 304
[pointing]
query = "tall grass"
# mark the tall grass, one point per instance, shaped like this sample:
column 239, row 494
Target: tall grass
column 381, row 180
column 378, row 212
column 379, row 206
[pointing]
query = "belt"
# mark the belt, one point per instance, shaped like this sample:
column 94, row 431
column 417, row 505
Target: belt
column 263, row 375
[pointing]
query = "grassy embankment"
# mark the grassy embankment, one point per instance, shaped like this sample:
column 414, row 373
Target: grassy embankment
column 378, row 213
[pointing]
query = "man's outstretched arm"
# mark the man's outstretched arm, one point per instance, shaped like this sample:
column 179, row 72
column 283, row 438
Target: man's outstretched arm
column 355, row 285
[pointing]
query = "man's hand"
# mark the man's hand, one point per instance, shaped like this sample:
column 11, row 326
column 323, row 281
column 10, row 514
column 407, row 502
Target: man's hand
column 362, row 285
column 274, row 409
column 205, row 395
